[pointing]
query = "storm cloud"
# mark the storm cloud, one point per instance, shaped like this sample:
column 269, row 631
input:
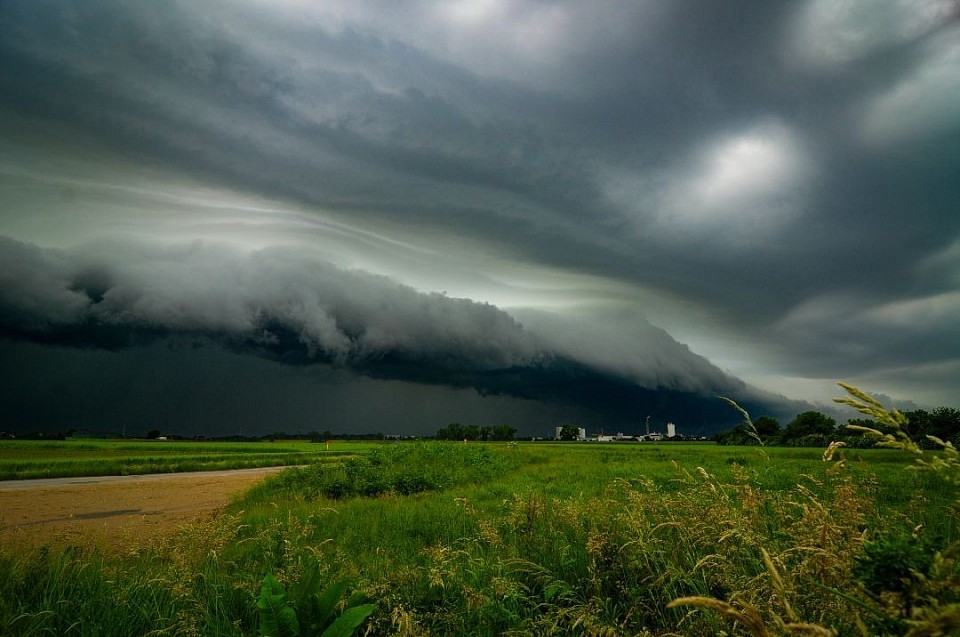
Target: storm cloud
column 300, row 310
column 671, row 195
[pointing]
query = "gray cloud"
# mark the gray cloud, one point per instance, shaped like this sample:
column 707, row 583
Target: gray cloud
column 776, row 180
column 300, row 310
column 334, row 315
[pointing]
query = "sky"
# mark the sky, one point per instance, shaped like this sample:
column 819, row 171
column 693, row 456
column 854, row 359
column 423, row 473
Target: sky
column 221, row 217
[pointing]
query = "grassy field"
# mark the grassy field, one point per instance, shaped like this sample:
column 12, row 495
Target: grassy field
column 580, row 538
column 22, row 459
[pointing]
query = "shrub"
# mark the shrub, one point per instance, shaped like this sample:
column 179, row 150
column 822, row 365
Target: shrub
column 403, row 469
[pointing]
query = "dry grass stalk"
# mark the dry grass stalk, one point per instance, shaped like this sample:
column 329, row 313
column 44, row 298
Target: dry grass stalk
column 748, row 617
column 751, row 429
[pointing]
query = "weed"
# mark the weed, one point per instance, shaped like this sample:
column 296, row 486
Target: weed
column 309, row 610
column 540, row 539
column 897, row 580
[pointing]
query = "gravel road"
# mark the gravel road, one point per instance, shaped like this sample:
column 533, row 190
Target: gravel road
column 115, row 513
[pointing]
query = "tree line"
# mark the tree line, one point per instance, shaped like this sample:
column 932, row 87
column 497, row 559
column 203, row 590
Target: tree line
column 815, row 429
column 456, row 431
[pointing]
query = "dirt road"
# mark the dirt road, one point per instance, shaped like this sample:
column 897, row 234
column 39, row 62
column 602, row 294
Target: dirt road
column 115, row 512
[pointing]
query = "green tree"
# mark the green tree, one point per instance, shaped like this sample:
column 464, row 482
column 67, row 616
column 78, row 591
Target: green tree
column 453, row 431
column 945, row 424
column 569, row 432
column 942, row 423
column 504, row 432
column 918, row 424
column 738, row 436
column 767, row 427
column 810, row 428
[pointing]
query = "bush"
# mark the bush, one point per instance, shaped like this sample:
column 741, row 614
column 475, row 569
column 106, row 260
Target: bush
column 404, row 469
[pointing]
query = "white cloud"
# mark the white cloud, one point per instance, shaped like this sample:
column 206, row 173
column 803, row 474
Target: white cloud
column 740, row 187
column 758, row 164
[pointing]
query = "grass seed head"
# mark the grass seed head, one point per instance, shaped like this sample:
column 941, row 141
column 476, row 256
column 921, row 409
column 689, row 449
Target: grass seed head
column 748, row 617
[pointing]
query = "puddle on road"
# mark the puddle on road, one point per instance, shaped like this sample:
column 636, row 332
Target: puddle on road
column 96, row 515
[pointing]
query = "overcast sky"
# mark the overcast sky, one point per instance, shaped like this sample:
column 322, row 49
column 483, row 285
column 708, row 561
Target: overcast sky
column 378, row 215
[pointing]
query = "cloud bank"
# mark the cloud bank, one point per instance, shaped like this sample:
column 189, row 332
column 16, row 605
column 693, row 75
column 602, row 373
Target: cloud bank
column 773, row 185
column 301, row 310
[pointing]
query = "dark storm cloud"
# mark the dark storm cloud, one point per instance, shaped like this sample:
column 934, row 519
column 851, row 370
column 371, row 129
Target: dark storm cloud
column 300, row 310
column 304, row 117
column 284, row 303
column 787, row 169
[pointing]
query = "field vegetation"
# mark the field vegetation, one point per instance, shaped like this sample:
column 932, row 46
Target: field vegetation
column 23, row 459
column 447, row 538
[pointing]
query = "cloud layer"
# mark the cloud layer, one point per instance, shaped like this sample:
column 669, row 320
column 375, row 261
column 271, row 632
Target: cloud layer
column 774, row 185
column 303, row 310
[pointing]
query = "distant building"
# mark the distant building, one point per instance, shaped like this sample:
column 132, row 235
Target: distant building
column 671, row 430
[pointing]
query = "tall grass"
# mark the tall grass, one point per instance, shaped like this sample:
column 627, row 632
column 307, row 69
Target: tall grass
column 601, row 539
column 592, row 539
column 57, row 459
column 402, row 469
column 895, row 580
column 79, row 592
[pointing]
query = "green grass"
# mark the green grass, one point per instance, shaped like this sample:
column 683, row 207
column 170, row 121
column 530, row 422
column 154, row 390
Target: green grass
column 539, row 538
column 70, row 458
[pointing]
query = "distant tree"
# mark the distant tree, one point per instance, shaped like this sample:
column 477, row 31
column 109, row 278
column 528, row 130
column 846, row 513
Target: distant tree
column 153, row 434
column 918, row 424
column 942, row 423
column 945, row 424
column 738, row 436
column 569, row 432
column 453, row 431
column 767, row 427
column 863, row 422
column 811, row 428
column 856, row 439
column 456, row 431
column 504, row 432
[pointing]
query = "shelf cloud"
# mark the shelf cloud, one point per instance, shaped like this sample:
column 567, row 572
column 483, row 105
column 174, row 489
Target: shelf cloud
column 479, row 197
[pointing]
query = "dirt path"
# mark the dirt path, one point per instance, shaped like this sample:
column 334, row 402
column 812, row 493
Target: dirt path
column 115, row 512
